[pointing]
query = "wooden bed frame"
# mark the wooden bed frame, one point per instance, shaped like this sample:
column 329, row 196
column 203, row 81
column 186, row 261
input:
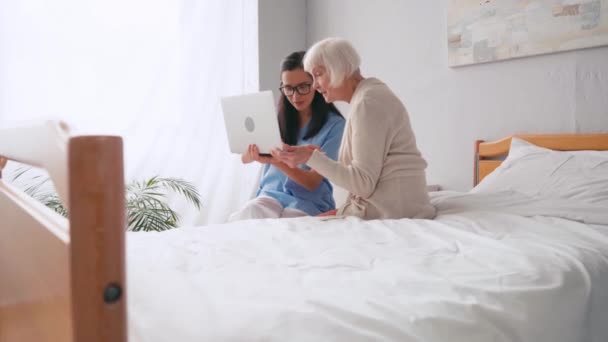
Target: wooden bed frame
column 489, row 155
column 60, row 280
column 65, row 280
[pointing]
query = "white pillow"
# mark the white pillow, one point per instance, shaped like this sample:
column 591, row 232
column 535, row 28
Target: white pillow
column 537, row 171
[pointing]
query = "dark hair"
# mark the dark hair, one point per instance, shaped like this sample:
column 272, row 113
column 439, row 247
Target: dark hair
column 288, row 114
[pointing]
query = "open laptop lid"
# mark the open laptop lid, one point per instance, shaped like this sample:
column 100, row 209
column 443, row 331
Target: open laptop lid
column 251, row 119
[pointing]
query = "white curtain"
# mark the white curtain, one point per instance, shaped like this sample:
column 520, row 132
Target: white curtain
column 151, row 71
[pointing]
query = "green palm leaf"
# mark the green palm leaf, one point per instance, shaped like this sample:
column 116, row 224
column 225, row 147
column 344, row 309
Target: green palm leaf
column 20, row 171
column 150, row 219
column 52, row 201
column 182, row 187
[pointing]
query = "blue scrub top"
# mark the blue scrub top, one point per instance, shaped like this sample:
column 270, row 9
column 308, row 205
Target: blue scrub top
column 276, row 184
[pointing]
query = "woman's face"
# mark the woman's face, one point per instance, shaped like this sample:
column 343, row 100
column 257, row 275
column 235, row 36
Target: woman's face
column 296, row 85
column 321, row 84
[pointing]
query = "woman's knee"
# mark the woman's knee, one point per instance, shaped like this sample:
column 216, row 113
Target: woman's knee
column 258, row 208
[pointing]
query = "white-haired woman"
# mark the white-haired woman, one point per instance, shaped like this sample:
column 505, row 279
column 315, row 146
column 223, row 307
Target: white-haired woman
column 379, row 162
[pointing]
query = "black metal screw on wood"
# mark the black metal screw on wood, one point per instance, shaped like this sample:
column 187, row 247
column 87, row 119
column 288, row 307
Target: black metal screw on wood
column 112, row 293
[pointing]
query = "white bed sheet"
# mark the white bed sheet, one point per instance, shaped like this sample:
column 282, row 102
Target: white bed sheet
column 490, row 268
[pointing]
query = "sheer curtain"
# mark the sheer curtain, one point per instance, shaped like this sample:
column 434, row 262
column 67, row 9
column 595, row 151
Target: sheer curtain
column 149, row 70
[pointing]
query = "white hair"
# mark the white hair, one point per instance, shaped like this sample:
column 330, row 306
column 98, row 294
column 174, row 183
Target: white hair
column 337, row 56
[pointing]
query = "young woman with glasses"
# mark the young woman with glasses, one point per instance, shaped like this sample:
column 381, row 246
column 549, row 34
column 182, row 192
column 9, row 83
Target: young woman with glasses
column 305, row 118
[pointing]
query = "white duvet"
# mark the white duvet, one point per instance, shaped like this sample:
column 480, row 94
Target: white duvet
column 489, row 268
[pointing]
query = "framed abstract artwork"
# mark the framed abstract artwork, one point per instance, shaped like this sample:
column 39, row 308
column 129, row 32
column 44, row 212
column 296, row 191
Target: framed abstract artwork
column 482, row 31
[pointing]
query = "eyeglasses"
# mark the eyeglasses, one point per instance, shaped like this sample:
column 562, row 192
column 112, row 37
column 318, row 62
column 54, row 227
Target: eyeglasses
column 302, row 89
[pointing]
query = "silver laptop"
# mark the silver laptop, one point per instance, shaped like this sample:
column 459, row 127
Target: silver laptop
column 251, row 119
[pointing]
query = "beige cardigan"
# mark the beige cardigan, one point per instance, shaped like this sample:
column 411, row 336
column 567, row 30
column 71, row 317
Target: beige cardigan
column 379, row 163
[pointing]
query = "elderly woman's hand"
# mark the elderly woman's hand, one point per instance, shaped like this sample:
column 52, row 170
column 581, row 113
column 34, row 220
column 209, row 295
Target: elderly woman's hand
column 294, row 155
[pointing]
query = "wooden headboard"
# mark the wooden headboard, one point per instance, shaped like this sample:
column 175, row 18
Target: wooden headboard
column 489, row 155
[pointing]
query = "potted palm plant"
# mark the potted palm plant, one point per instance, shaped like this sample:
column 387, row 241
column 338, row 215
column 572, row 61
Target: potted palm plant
column 146, row 201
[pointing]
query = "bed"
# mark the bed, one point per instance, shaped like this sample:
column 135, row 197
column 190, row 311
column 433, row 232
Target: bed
column 493, row 266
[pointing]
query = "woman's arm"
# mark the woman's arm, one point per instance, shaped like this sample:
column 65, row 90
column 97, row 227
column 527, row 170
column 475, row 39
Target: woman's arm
column 331, row 145
column 370, row 136
column 308, row 179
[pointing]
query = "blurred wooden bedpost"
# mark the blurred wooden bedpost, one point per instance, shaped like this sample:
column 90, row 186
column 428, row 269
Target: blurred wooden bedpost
column 476, row 163
column 97, row 239
column 3, row 162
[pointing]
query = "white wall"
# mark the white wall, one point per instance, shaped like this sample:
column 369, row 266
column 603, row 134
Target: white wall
column 282, row 30
column 403, row 42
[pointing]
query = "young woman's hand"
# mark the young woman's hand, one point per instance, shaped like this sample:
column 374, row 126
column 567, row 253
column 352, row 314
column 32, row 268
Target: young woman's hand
column 248, row 156
column 253, row 154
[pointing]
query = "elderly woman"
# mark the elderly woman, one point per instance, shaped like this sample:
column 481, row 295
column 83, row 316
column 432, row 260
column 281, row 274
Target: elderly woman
column 379, row 162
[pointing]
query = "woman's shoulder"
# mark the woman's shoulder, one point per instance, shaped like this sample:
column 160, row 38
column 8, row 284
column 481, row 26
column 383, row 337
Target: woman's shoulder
column 377, row 95
column 373, row 89
column 334, row 125
column 334, row 117
column 334, row 120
